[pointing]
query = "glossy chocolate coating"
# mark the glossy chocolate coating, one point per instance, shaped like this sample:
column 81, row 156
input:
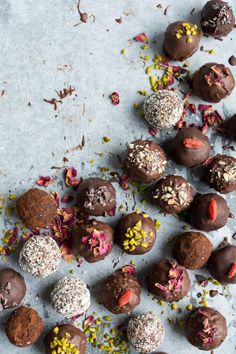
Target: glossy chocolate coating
column 12, row 288
column 230, row 128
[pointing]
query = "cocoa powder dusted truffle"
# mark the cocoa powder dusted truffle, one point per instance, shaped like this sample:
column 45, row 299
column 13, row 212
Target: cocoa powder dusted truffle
column 135, row 233
column 221, row 173
column 120, row 292
column 96, row 196
column 190, row 147
column 217, row 18
column 24, row 327
column 92, row 240
column 230, row 128
column 172, row 194
column 37, row 208
column 213, row 82
column 206, row 328
column 209, row 212
column 192, row 250
column 144, row 161
column 12, row 288
column 181, row 40
column 65, row 338
column 163, row 109
column 168, row 281
column 145, row 332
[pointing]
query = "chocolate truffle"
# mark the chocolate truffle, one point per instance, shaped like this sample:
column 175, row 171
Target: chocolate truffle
column 37, row 208
column 213, row 82
column 163, row 109
column 24, row 327
column 40, row 256
column 120, row 292
column 92, row 240
column 230, row 128
column 168, row 281
column 135, row 233
column 66, row 338
column 221, row 173
column 96, row 197
column 173, row 194
column 190, row 147
column 222, row 264
column 70, row 297
column 217, row 18
column 145, row 332
column 144, row 161
column 192, row 250
column 12, row 288
column 209, row 212
column 206, row 328
column 181, row 40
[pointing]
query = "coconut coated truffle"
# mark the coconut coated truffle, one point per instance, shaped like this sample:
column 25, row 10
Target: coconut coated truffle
column 24, row 327
column 37, row 208
column 230, row 128
column 181, row 40
column 145, row 332
column 206, row 328
column 163, row 109
column 144, row 161
column 70, row 297
column 40, row 256
column 12, row 288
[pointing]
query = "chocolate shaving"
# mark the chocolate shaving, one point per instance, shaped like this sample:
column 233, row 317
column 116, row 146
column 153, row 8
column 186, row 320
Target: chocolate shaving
column 228, row 147
column 53, row 101
column 119, row 20
column 67, row 91
column 84, row 16
column 166, row 9
column 201, row 280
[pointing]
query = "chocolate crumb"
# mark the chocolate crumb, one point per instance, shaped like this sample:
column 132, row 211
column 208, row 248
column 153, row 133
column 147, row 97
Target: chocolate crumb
column 166, row 9
column 119, row 20
column 213, row 293
column 84, row 16
column 201, row 280
column 232, row 60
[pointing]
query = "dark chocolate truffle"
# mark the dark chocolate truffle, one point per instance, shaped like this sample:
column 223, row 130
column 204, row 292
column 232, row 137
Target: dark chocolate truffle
column 37, row 208
column 92, row 240
column 206, row 328
column 173, row 194
column 135, row 233
column 96, row 196
column 221, row 173
column 66, row 338
column 181, row 40
column 190, row 147
column 12, row 288
column 209, row 212
column 230, row 128
column 144, row 161
column 213, row 82
column 222, row 264
column 24, row 327
column 168, row 281
column 217, row 18
column 192, row 250
column 120, row 292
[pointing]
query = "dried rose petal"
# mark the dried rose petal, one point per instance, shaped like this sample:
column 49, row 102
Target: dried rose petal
column 44, row 181
column 111, row 212
column 161, row 287
column 55, row 195
column 142, row 37
column 152, row 132
column 67, row 198
column 66, row 252
column 201, row 280
column 115, row 97
column 129, row 269
column 11, row 236
column 124, row 182
column 70, row 177
column 88, row 321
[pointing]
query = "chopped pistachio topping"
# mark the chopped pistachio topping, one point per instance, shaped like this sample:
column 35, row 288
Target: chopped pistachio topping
column 188, row 30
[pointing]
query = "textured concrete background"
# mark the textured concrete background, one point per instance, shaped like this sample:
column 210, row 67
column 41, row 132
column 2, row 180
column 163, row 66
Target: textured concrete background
column 38, row 39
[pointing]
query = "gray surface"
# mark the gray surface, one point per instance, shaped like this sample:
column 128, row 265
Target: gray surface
column 37, row 38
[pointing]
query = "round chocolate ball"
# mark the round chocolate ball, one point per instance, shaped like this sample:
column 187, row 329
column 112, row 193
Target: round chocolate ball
column 144, row 161
column 12, row 288
column 192, row 250
column 37, row 208
column 173, row 194
column 190, row 147
column 168, row 281
column 217, row 18
column 24, row 327
column 221, row 173
column 120, row 292
column 230, row 128
column 209, row 212
column 213, row 82
column 181, row 40
column 40, row 256
column 70, row 297
column 222, row 264
column 92, row 239
column 163, row 109
column 206, row 328
column 145, row 332
column 135, row 233
column 65, row 338
column 96, row 196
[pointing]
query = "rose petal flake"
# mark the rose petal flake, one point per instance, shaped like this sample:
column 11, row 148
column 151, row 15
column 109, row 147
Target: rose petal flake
column 124, row 182
column 70, row 177
column 142, row 37
column 152, row 132
column 44, row 181
column 129, row 269
column 115, row 98
column 66, row 252
column 67, row 198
